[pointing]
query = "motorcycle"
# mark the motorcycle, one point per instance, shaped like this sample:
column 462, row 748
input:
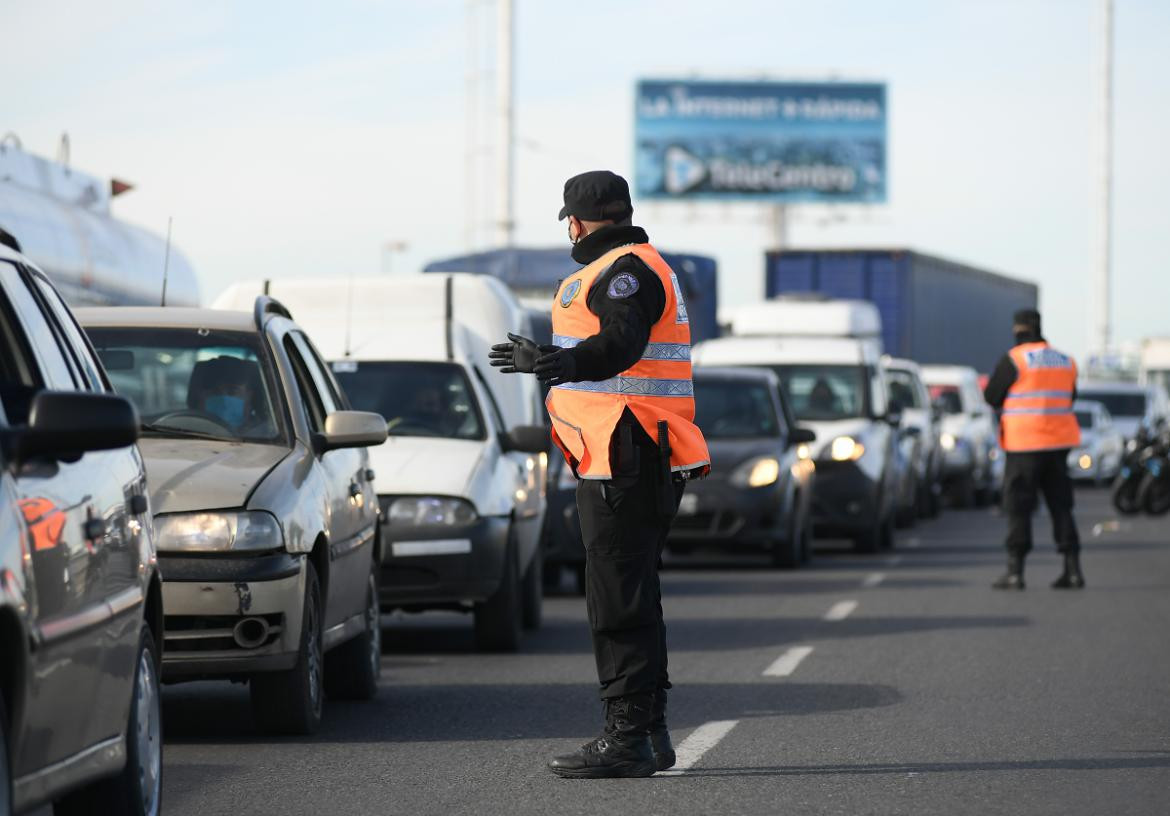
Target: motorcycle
column 1154, row 491
column 1127, row 486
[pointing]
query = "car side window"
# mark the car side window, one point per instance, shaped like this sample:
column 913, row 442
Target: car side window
column 79, row 345
column 322, row 381
column 56, row 372
column 19, row 378
column 310, row 399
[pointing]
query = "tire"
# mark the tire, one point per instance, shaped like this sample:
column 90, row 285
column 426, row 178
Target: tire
column 498, row 620
column 1125, row 496
column 290, row 702
column 352, row 669
column 806, row 541
column 1155, row 496
column 137, row 788
column 963, row 493
column 5, row 767
column 785, row 552
column 532, row 592
column 908, row 516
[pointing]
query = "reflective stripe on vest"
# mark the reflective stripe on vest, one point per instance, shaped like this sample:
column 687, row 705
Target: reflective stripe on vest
column 656, row 387
column 1037, row 410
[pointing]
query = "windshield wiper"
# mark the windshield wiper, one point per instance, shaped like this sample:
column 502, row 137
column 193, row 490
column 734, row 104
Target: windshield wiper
column 170, row 430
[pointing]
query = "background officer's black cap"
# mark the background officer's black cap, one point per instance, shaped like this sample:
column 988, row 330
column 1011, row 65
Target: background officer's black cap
column 598, row 195
column 1027, row 317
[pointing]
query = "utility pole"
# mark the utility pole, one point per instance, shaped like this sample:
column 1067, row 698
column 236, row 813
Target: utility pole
column 471, row 132
column 1102, row 328
column 505, row 142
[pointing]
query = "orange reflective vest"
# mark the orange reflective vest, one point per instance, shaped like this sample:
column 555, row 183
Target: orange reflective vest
column 1037, row 411
column 656, row 387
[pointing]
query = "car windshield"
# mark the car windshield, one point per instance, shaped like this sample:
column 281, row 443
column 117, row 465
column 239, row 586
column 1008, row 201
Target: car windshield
column 193, row 382
column 1118, row 403
column 1085, row 419
column 903, row 388
column 825, row 392
column 947, row 397
column 734, row 409
column 417, row 399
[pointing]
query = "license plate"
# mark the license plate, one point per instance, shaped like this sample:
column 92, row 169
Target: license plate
column 689, row 505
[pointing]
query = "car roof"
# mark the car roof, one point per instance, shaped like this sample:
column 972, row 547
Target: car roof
column 901, row 363
column 762, row 375
column 948, row 374
column 166, row 317
column 779, row 350
column 1114, row 387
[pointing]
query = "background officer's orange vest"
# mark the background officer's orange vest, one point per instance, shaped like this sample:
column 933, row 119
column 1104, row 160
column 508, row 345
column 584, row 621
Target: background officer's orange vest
column 1037, row 412
column 656, row 387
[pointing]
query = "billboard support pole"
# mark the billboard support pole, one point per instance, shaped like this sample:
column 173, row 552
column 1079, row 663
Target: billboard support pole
column 1103, row 328
column 506, row 140
column 778, row 221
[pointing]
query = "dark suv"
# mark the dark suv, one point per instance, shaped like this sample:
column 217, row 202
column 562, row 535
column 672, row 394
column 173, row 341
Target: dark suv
column 80, row 600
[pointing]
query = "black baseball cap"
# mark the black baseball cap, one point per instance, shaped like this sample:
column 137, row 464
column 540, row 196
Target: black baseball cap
column 598, row 195
column 1027, row 317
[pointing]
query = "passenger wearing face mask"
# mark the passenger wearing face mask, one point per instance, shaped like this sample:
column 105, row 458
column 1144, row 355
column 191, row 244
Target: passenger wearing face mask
column 1034, row 386
column 226, row 388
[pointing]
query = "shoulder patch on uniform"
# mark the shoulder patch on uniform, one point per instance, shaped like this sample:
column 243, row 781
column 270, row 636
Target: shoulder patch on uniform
column 570, row 292
column 622, row 285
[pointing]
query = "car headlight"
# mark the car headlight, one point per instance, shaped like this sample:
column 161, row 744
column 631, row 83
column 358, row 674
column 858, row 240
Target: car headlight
column 759, row 472
column 846, row 449
column 417, row 511
column 1084, row 461
column 218, row 532
column 947, row 441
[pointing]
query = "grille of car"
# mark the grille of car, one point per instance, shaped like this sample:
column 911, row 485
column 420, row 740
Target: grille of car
column 214, row 633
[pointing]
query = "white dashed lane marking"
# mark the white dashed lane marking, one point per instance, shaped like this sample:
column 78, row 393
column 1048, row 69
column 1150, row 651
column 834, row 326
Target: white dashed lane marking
column 840, row 610
column 893, row 560
column 697, row 743
column 873, row 579
column 786, row 663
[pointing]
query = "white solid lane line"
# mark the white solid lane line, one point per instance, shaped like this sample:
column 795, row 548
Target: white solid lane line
column 786, row 663
column 699, row 742
column 840, row 610
column 873, row 579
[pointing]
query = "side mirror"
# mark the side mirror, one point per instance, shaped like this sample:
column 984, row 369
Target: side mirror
column 352, row 429
column 65, row 424
column 525, row 439
column 801, row 436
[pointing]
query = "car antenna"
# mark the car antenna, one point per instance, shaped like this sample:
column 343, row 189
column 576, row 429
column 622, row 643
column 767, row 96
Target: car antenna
column 166, row 261
column 348, row 313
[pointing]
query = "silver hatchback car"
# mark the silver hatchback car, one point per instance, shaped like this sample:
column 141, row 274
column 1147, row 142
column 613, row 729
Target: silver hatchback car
column 265, row 515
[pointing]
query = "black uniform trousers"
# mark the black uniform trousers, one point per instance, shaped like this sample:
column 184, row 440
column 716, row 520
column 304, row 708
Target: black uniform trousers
column 1025, row 476
column 624, row 532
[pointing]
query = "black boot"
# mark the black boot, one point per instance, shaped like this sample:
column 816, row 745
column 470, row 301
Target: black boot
column 1014, row 577
column 664, row 756
column 623, row 749
column 1071, row 578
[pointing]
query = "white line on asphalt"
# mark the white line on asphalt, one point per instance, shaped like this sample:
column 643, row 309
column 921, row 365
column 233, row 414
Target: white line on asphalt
column 697, row 743
column 893, row 560
column 873, row 579
column 786, row 663
column 840, row 610
column 914, row 542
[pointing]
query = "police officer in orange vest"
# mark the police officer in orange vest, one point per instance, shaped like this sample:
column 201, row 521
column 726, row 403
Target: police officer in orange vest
column 622, row 409
column 1034, row 386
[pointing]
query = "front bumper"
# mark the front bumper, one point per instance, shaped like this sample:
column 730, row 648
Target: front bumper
column 845, row 500
column 205, row 596
column 715, row 512
column 442, row 566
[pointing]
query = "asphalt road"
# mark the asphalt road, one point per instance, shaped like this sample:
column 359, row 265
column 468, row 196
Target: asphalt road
column 924, row 692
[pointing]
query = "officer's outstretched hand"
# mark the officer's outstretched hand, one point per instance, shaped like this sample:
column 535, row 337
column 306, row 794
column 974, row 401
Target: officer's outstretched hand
column 555, row 366
column 517, row 357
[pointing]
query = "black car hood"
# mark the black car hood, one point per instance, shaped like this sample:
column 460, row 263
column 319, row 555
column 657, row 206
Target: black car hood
column 728, row 454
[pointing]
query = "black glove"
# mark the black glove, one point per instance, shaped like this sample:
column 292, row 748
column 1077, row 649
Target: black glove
column 517, row 357
column 555, row 366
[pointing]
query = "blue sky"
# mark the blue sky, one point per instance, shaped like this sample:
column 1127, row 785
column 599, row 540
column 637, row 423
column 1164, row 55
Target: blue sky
column 296, row 138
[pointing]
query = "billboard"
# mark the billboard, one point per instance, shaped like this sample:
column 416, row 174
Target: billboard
column 772, row 142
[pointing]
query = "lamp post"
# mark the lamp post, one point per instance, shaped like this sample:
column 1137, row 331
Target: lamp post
column 388, row 250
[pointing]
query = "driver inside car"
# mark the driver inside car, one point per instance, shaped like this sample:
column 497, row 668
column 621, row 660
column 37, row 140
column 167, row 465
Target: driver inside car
column 226, row 388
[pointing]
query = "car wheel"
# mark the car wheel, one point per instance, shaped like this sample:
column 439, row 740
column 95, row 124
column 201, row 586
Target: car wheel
column 290, row 702
column 806, row 541
column 963, row 492
column 908, row 516
column 5, row 770
column 532, row 592
column 785, row 550
column 353, row 668
column 137, row 789
column 498, row 619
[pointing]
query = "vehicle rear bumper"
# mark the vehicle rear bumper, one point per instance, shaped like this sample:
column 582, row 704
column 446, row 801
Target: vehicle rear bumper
column 435, row 567
column 204, row 597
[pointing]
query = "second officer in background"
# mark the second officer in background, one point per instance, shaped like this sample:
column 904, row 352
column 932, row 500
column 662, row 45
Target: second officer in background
column 622, row 409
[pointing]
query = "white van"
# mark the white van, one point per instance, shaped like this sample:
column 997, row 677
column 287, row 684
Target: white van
column 461, row 479
column 972, row 459
column 828, row 357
